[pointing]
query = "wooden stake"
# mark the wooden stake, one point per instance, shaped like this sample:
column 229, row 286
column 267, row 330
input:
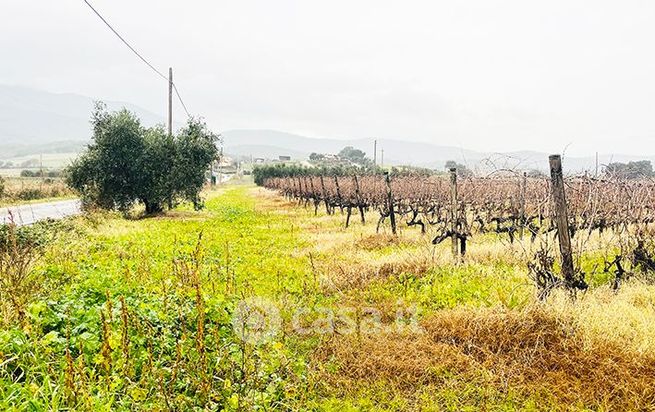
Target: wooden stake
column 561, row 219
column 300, row 191
column 316, row 201
column 392, row 215
column 308, row 193
column 325, row 199
column 336, row 183
column 524, row 182
column 453, row 212
column 359, row 200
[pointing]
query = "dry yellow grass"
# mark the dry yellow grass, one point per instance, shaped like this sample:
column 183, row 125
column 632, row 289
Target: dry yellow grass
column 18, row 190
column 625, row 318
column 538, row 350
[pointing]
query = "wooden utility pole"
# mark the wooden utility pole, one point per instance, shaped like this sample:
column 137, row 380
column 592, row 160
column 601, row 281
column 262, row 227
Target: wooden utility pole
column 375, row 152
column 524, row 182
column 170, row 101
column 561, row 218
column 453, row 211
column 392, row 215
column 41, row 171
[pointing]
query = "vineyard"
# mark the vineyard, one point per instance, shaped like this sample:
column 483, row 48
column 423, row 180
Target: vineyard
column 608, row 215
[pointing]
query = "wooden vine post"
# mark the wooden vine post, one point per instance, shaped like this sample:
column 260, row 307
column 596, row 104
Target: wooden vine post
column 453, row 212
column 316, row 201
column 358, row 198
column 561, row 219
column 302, row 193
column 522, row 222
column 392, row 215
column 294, row 191
column 336, row 184
column 327, row 204
column 308, row 194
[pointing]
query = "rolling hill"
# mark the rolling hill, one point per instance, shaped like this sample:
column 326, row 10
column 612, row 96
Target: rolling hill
column 35, row 122
column 272, row 143
column 39, row 122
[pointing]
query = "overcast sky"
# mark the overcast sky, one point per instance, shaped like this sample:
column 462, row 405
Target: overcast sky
column 485, row 75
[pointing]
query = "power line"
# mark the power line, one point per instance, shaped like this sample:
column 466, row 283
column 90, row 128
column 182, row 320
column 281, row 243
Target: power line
column 143, row 59
column 180, row 99
column 125, row 42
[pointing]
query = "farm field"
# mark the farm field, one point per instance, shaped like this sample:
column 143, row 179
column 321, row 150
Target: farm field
column 256, row 303
column 22, row 190
column 34, row 162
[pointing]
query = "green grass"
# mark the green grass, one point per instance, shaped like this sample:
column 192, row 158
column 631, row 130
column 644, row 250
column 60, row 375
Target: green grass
column 448, row 287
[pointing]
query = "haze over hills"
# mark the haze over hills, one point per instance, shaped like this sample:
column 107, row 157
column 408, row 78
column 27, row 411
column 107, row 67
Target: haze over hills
column 34, row 122
column 271, row 143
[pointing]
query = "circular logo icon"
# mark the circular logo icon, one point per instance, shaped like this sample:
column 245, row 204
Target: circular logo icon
column 256, row 321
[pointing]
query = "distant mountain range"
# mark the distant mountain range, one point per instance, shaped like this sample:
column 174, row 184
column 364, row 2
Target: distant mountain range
column 34, row 122
column 271, row 144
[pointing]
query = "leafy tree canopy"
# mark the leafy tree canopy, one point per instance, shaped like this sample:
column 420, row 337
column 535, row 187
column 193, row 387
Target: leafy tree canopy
column 314, row 157
column 356, row 156
column 261, row 173
column 128, row 164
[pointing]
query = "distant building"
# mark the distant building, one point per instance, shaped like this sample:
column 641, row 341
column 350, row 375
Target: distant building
column 285, row 158
column 259, row 160
column 226, row 161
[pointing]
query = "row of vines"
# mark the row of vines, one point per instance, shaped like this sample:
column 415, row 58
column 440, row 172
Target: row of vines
column 608, row 216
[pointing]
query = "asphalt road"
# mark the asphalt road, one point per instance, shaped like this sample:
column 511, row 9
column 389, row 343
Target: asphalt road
column 31, row 213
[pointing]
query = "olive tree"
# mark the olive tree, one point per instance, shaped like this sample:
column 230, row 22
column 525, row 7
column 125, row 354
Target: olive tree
column 127, row 163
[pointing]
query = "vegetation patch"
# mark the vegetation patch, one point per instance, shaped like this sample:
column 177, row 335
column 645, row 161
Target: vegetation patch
column 525, row 352
column 378, row 241
column 14, row 190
